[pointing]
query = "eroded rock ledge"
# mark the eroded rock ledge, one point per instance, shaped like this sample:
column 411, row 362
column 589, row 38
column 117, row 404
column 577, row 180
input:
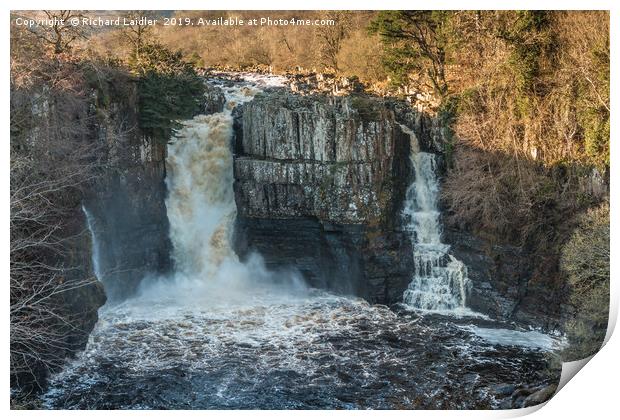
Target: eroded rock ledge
column 319, row 184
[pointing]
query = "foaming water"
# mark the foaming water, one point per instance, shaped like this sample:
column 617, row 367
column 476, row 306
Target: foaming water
column 200, row 203
column 440, row 281
column 506, row 337
column 278, row 348
column 222, row 333
column 202, row 210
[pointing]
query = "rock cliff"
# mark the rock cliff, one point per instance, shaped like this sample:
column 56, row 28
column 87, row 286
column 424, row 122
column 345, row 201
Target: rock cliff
column 319, row 184
column 128, row 202
column 510, row 282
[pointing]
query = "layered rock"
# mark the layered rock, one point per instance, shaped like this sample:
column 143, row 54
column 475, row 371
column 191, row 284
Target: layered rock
column 128, row 203
column 509, row 282
column 319, row 185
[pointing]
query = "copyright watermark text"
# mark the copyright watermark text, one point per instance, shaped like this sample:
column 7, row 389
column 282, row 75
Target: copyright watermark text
column 169, row 21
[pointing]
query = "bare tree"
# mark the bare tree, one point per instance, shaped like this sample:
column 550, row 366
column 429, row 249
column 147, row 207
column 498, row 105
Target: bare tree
column 53, row 160
column 42, row 270
column 137, row 32
column 60, row 34
column 331, row 37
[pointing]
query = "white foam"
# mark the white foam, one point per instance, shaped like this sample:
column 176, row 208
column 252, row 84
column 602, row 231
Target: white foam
column 440, row 281
column 506, row 337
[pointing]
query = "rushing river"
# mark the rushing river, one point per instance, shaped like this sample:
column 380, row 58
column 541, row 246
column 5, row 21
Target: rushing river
column 221, row 333
column 279, row 347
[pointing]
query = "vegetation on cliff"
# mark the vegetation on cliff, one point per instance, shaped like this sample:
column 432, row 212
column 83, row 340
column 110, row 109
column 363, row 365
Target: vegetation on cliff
column 67, row 106
column 525, row 95
column 585, row 259
column 54, row 295
column 169, row 89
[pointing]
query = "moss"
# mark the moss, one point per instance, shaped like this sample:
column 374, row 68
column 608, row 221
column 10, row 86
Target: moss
column 367, row 108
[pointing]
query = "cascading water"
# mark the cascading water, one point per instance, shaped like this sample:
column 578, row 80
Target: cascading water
column 440, row 281
column 221, row 333
column 201, row 206
column 94, row 244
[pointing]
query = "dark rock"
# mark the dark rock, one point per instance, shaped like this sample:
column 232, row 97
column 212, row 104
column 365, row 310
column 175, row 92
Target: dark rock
column 503, row 390
column 319, row 185
column 214, row 99
column 519, row 396
column 504, row 282
column 540, row 396
column 128, row 209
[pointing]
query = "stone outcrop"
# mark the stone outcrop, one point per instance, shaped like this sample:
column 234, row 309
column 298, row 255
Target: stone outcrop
column 128, row 203
column 319, row 184
column 509, row 282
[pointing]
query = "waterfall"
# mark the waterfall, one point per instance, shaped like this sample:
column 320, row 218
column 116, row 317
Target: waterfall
column 201, row 206
column 94, row 244
column 439, row 281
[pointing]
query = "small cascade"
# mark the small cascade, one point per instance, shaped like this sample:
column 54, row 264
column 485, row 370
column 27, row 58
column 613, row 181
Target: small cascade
column 94, row 244
column 440, row 281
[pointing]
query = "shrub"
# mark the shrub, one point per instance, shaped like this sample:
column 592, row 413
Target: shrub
column 585, row 260
column 168, row 90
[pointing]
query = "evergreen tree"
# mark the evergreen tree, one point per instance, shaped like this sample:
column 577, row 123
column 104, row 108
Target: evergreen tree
column 169, row 90
column 415, row 41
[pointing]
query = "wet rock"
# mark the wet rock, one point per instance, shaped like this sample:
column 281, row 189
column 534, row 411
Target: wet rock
column 129, row 214
column 540, row 396
column 503, row 279
column 214, row 99
column 320, row 184
column 503, row 389
column 519, row 396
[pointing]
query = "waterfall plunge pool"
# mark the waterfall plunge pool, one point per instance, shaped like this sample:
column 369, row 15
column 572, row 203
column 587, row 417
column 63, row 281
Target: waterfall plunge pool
column 221, row 333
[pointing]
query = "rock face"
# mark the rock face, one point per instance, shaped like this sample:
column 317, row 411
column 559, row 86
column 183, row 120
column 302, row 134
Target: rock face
column 319, row 184
column 508, row 282
column 128, row 204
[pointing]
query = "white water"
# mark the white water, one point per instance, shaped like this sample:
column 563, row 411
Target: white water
column 505, row 337
column 440, row 281
column 95, row 251
column 201, row 210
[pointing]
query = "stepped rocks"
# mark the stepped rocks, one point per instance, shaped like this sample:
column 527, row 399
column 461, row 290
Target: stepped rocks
column 319, row 185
